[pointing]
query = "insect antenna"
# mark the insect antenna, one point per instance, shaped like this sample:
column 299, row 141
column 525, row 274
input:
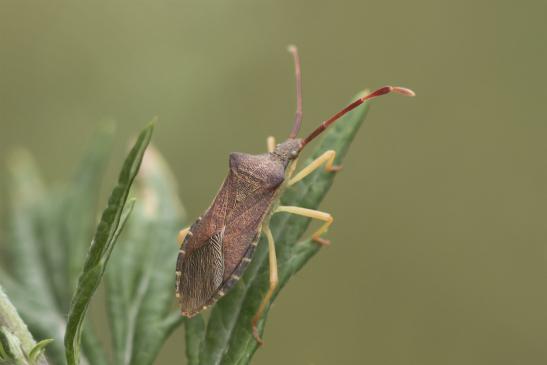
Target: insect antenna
column 298, row 74
column 381, row 91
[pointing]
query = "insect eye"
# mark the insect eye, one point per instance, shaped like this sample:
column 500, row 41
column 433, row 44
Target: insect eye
column 294, row 154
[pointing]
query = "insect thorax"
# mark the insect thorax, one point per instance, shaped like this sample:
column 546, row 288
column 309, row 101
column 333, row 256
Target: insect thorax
column 262, row 171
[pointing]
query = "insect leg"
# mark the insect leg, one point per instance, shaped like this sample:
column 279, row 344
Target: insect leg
column 315, row 214
column 273, row 282
column 270, row 141
column 182, row 235
column 327, row 158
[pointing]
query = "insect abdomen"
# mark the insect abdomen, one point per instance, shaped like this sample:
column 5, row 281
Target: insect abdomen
column 200, row 274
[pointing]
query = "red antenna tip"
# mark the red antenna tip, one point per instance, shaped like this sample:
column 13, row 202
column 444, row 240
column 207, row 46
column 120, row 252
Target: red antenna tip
column 403, row 91
column 388, row 89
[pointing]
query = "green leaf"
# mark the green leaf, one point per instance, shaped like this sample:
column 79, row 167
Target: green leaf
column 38, row 349
column 107, row 232
column 195, row 332
column 78, row 209
column 140, row 280
column 76, row 219
column 228, row 338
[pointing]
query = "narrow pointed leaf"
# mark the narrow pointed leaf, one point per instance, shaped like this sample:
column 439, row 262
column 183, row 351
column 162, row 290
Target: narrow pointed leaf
column 76, row 220
column 141, row 279
column 99, row 253
column 38, row 350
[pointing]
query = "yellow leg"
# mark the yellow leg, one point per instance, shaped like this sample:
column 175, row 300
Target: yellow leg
column 271, row 143
column 315, row 214
column 182, row 235
column 273, row 283
column 327, row 158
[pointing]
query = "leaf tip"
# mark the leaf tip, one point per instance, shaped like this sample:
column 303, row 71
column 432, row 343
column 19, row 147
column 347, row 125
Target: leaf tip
column 38, row 349
column 153, row 122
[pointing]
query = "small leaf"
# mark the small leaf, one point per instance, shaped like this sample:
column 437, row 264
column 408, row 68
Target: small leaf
column 38, row 349
column 228, row 338
column 107, row 232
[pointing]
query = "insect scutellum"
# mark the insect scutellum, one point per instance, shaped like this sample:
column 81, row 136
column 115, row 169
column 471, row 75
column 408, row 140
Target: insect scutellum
column 217, row 248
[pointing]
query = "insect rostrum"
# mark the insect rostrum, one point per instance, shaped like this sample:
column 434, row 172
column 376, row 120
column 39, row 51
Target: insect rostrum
column 217, row 248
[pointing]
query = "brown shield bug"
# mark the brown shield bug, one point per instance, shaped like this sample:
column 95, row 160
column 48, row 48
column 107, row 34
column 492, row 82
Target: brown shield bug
column 217, row 248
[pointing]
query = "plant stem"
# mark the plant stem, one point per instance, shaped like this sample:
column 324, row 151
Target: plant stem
column 10, row 321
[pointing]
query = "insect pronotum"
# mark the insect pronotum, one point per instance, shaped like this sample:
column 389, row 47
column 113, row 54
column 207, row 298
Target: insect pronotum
column 217, row 248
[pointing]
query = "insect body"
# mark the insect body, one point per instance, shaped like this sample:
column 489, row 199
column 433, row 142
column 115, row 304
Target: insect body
column 218, row 247
column 220, row 244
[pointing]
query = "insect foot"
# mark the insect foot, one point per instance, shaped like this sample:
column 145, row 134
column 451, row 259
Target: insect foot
column 257, row 337
column 336, row 168
column 321, row 241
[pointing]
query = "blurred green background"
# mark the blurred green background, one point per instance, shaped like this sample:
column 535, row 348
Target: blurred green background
column 439, row 243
